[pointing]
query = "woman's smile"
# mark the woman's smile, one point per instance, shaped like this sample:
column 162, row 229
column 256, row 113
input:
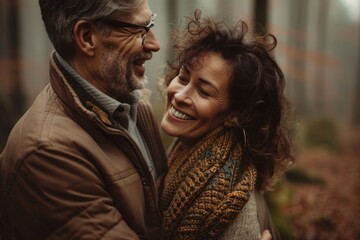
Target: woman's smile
column 180, row 115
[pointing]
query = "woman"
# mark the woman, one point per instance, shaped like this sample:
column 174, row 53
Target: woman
column 225, row 106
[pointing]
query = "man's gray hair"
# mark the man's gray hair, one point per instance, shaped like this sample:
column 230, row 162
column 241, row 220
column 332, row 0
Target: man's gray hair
column 60, row 16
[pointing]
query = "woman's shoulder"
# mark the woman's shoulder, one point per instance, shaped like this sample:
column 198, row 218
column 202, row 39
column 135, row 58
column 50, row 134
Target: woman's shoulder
column 246, row 225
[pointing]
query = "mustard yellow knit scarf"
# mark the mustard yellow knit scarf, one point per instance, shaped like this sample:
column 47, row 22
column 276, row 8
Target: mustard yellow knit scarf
column 205, row 189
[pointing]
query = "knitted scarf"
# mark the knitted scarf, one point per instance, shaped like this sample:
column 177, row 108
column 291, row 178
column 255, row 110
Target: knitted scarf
column 206, row 187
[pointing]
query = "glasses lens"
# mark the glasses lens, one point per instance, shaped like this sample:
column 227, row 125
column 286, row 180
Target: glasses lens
column 144, row 37
column 148, row 27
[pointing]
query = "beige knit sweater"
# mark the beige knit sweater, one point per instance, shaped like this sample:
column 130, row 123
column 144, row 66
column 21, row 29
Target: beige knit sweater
column 246, row 225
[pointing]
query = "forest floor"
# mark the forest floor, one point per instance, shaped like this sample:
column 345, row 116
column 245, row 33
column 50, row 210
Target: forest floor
column 329, row 207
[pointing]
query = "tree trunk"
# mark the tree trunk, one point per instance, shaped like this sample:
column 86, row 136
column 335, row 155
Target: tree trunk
column 16, row 93
column 356, row 106
column 298, row 38
column 319, row 104
column 260, row 16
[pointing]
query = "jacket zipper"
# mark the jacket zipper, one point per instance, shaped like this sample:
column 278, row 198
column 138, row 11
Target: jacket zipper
column 143, row 163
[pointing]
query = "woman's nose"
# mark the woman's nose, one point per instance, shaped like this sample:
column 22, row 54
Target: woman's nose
column 183, row 96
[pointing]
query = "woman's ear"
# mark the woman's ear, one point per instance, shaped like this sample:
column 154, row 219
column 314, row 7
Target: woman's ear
column 84, row 37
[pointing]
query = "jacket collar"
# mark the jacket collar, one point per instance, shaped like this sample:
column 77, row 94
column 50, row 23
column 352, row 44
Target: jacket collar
column 78, row 93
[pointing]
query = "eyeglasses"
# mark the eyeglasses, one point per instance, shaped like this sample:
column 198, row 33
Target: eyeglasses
column 119, row 24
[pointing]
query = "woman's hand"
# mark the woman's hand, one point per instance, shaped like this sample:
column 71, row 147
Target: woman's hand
column 266, row 235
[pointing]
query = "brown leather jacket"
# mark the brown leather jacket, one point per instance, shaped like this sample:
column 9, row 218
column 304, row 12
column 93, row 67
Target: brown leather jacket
column 65, row 173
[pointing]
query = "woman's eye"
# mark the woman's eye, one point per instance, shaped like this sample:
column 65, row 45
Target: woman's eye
column 203, row 92
column 182, row 79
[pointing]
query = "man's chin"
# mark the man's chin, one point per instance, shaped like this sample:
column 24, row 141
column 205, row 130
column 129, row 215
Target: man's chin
column 139, row 83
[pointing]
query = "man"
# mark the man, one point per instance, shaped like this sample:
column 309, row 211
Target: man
column 85, row 160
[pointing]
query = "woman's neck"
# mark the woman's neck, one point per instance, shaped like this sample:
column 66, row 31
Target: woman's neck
column 188, row 143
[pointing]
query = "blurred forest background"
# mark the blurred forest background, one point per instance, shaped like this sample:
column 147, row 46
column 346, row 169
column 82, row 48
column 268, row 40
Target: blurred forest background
column 319, row 52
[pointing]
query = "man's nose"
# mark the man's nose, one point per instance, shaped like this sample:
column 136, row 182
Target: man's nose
column 151, row 42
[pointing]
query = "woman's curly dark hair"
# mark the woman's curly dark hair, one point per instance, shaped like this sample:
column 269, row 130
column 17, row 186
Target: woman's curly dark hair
column 256, row 88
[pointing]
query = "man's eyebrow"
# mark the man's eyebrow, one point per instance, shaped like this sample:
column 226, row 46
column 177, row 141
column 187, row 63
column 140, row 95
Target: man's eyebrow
column 148, row 20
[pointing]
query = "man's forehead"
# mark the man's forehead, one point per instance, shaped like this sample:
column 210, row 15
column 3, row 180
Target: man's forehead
column 142, row 14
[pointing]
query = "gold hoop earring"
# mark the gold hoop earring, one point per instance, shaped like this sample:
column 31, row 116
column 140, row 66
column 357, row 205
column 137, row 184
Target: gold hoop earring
column 244, row 135
column 236, row 121
column 232, row 122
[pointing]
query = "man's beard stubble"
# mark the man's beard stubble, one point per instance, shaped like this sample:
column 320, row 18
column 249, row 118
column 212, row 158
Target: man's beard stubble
column 118, row 73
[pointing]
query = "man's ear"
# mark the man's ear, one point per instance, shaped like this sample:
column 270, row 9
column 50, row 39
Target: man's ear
column 84, row 37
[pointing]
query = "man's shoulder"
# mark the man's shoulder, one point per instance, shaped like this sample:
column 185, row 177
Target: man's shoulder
column 44, row 123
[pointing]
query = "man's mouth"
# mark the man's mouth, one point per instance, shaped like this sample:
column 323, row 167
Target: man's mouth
column 139, row 62
column 142, row 58
column 139, row 66
column 180, row 115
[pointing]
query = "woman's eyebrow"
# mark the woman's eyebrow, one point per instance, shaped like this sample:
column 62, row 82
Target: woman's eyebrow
column 202, row 80
column 209, row 83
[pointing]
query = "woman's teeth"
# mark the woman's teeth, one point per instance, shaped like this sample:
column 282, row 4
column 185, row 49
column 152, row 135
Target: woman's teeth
column 180, row 115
